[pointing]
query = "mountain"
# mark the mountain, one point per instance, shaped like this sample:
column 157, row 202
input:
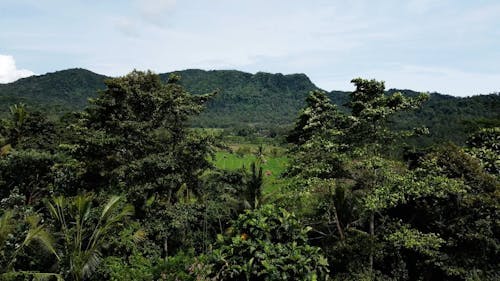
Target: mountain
column 55, row 92
column 261, row 99
column 255, row 98
column 451, row 118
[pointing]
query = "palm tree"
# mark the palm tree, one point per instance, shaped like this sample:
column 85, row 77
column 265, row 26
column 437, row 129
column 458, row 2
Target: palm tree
column 36, row 232
column 82, row 235
column 18, row 116
column 253, row 193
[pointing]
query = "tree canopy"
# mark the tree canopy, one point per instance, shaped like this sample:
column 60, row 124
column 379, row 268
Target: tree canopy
column 127, row 189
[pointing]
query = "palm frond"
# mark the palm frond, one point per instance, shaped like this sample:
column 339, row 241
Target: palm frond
column 39, row 234
column 82, row 205
column 37, row 276
column 110, row 207
column 91, row 263
column 6, row 226
column 111, row 220
column 56, row 209
column 139, row 236
column 84, row 237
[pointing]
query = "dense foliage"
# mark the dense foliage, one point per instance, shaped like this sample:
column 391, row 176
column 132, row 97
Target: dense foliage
column 126, row 189
column 378, row 217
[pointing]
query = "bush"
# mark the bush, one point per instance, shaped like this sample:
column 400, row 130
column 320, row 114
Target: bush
column 267, row 244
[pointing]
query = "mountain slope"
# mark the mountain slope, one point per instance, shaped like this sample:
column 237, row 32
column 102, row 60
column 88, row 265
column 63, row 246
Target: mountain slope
column 261, row 99
column 57, row 92
column 451, row 118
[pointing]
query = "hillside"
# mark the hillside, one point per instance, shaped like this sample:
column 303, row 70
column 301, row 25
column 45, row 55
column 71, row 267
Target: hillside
column 55, row 92
column 451, row 118
column 261, row 99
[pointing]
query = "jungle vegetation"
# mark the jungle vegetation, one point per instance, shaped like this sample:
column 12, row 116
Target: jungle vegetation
column 133, row 186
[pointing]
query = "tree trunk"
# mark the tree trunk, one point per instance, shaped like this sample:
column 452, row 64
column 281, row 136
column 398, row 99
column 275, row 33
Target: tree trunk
column 165, row 247
column 337, row 222
column 372, row 237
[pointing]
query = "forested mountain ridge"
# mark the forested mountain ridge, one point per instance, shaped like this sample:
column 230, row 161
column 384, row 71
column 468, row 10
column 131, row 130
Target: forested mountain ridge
column 260, row 99
column 242, row 97
column 55, row 92
column 451, row 118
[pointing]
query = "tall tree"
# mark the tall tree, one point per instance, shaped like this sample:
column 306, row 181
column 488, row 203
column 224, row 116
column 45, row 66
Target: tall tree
column 371, row 109
column 343, row 161
column 134, row 139
column 317, row 116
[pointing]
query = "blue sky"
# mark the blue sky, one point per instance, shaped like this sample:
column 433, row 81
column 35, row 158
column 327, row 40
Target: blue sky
column 452, row 47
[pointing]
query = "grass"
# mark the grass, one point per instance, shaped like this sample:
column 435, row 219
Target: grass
column 274, row 164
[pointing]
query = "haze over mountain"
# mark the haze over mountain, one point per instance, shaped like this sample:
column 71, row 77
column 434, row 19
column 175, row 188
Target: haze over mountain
column 246, row 99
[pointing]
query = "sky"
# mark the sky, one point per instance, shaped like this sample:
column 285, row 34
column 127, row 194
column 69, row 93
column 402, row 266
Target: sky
column 449, row 46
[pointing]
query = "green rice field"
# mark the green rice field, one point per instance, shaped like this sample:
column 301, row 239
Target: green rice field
column 272, row 166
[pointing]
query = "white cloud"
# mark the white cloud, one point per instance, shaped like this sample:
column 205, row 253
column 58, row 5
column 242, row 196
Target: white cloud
column 444, row 80
column 127, row 26
column 424, row 6
column 145, row 13
column 154, row 11
column 453, row 44
column 9, row 72
column 421, row 78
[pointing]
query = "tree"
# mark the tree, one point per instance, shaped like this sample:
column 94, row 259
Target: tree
column 27, row 129
column 134, row 138
column 316, row 136
column 318, row 116
column 467, row 220
column 254, row 183
column 18, row 115
column 10, row 249
column 343, row 161
column 28, row 156
column 28, row 173
column 267, row 244
column 371, row 109
column 485, row 145
column 83, row 231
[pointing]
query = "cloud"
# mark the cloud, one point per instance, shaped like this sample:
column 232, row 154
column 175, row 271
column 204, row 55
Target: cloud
column 443, row 80
column 154, row 11
column 127, row 27
column 447, row 46
column 146, row 14
column 9, row 72
column 424, row 6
